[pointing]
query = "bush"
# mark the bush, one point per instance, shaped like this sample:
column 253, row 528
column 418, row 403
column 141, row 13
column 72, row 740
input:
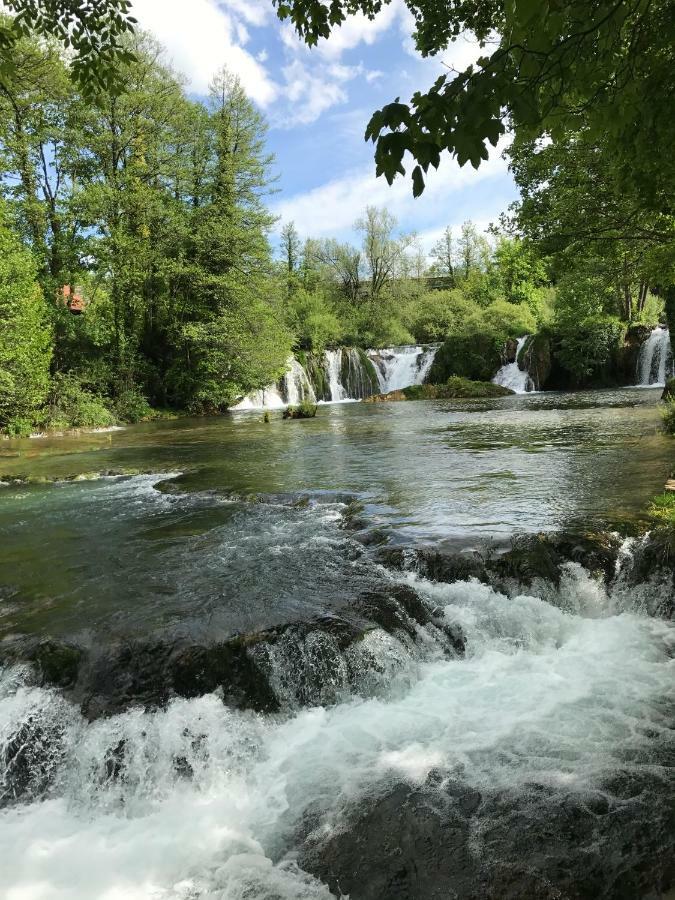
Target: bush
column 70, row 405
column 132, row 406
column 475, row 356
column 313, row 321
column 668, row 413
column 304, row 410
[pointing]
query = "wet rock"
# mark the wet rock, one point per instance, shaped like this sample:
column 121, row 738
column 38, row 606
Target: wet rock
column 28, row 762
column 57, row 663
column 537, row 359
column 298, row 663
column 447, row 840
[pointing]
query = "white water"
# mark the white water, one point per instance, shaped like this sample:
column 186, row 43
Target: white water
column 655, row 363
column 512, row 376
column 400, row 367
column 333, row 366
column 543, row 695
column 396, row 368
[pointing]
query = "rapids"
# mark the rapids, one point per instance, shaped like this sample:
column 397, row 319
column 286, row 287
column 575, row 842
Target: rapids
column 527, row 700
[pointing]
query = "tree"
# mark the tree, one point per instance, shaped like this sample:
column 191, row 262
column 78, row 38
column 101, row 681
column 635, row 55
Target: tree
column 382, row 251
column 290, row 247
column 577, row 209
column 94, row 30
column 232, row 338
column 443, row 252
column 25, row 335
column 552, row 68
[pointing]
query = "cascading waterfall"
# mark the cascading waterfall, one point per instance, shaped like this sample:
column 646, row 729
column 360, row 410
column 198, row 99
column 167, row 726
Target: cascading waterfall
column 512, row 376
column 400, row 367
column 350, row 374
column 333, row 365
column 655, row 363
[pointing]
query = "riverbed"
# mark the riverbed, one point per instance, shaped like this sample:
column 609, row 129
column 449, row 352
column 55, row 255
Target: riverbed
column 552, row 714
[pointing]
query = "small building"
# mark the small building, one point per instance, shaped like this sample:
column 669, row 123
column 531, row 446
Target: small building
column 70, row 297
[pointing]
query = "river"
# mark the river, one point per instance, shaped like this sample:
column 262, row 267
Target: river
column 499, row 714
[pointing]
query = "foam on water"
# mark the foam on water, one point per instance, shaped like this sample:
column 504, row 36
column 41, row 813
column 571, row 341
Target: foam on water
column 198, row 800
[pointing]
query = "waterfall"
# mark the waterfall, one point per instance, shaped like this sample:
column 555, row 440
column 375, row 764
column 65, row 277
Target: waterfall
column 333, row 360
column 655, row 363
column 293, row 387
column 297, row 386
column 347, row 373
column 400, row 367
column 512, row 376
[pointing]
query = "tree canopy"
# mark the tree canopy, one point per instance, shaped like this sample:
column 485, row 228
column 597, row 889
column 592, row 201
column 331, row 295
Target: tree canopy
column 549, row 67
column 94, row 30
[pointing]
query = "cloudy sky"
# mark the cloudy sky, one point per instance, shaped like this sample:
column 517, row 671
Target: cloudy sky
column 318, row 103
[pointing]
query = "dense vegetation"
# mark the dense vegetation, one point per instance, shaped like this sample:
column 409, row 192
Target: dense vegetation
column 138, row 270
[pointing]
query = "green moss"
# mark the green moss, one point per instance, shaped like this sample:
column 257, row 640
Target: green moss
column 668, row 414
column 370, row 370
column 304, row 410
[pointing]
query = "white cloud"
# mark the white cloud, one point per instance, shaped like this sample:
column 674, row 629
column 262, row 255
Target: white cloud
column 203, row 38
column 309, row 95
column 333, row 207
column 359, row 29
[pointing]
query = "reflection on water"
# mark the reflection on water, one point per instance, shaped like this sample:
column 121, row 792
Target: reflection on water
column 198, row 549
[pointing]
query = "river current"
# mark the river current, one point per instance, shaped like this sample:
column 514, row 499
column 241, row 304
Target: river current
column 200, row 531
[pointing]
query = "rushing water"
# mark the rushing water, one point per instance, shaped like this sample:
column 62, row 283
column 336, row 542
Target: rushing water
column 512, row 376
column 655, row 363
column 237, row 526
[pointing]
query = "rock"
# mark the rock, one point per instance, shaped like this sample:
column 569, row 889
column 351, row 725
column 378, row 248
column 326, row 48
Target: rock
column 444, row 840
column 536, row 359
column 669, row 390
column 292, row 663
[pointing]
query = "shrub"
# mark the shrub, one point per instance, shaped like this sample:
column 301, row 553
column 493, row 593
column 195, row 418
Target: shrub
column 71, row 405
column 312, row 319
column 668, row 413
column 132, row 406
column 663, row 507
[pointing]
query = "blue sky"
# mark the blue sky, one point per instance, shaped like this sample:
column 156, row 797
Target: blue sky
column 318, row 103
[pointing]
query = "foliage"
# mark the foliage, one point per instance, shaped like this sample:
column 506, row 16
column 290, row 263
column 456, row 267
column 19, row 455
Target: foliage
column 93, row 32
column 304, row 410
column 586, row 346
column 25, row 335
column 663, row 507
column 312, row 320
column 70, row 404
column 132, row 406
column 455, row 388
column 552, row 68
column 668, row 414
column 577, row 209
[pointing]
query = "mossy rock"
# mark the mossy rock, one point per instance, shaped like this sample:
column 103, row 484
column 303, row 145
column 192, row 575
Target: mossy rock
column 536, row 359
column 475, row 356
column 304, row 410
column 455, row 389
